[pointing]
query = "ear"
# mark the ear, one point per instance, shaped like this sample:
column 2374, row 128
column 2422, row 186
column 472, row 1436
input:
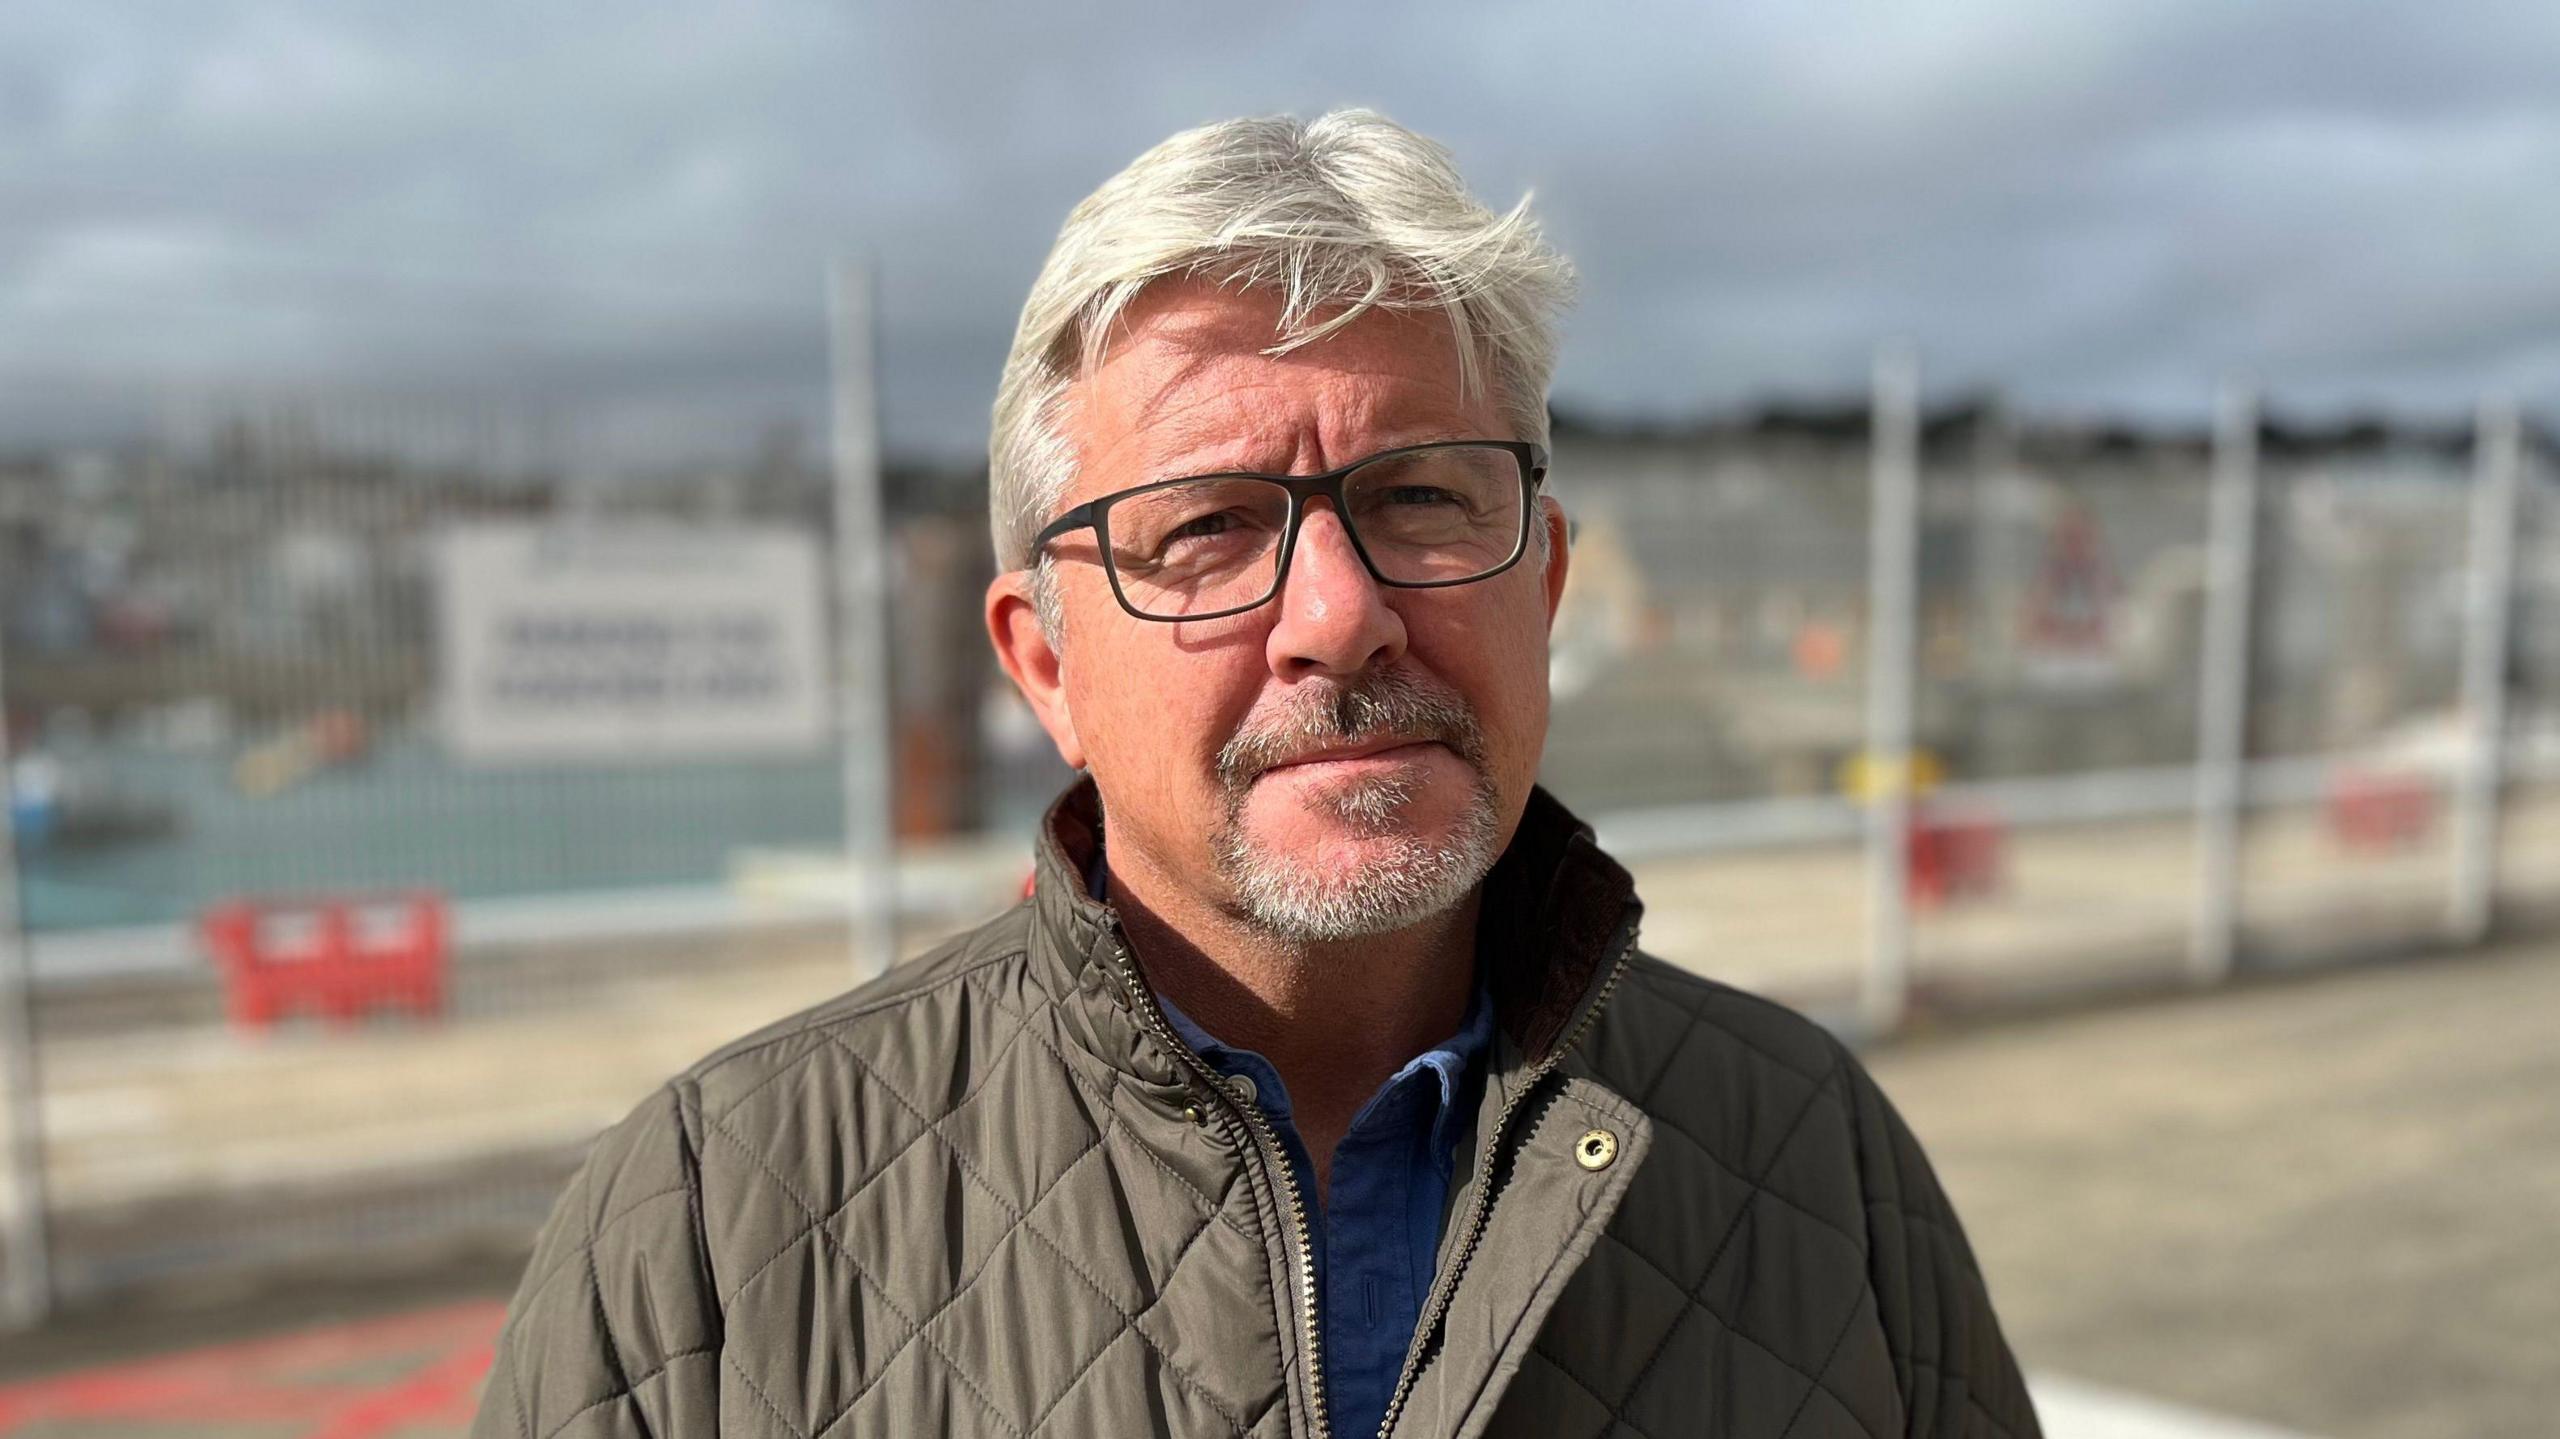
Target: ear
column 1034, row 666
column 1559, row 554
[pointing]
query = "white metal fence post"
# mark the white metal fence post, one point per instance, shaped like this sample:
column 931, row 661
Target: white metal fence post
column 27, row 1296
column 864, row 725
column 1893, row 538
column 2497, row 474
column 2222, row 719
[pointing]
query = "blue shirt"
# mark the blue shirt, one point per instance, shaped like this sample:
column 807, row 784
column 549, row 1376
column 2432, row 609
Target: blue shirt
column 1376, row 1236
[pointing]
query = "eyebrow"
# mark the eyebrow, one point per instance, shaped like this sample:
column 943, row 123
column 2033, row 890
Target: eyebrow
column 1189, row 437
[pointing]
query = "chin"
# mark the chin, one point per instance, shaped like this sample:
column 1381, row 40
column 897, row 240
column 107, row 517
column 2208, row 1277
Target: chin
column 1353, row 856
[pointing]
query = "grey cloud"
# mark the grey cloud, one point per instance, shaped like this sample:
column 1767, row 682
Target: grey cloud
column 2102, row 204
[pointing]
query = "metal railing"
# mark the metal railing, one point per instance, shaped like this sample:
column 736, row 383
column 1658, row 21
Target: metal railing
column 2202, row 691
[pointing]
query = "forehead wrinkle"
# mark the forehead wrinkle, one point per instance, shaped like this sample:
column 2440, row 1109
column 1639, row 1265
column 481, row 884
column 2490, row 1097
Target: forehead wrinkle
column 1180, row 424
column 1215, row 400
column 1192, row 429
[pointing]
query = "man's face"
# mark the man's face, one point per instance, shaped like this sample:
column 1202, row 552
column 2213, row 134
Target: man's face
column 1349, row 757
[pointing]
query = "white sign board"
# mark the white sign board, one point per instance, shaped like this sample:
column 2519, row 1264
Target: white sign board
column 616, row 641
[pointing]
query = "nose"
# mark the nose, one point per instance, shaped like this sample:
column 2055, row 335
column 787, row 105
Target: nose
column 1333, row 617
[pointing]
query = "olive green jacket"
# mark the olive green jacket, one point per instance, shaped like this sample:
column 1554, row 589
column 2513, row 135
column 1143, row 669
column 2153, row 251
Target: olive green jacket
column 992, row 1193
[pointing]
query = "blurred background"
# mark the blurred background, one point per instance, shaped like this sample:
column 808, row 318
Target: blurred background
column 2066, row 590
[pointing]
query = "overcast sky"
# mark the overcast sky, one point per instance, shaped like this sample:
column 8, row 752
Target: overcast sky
column 2103, row 206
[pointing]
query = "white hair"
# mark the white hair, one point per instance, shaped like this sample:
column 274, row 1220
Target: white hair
column 1337, row 216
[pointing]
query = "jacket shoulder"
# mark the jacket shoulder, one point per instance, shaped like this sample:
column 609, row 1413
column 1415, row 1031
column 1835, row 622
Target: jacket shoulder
column 925, row 997
column 619, row 1313
column 612, row 1319
column 1662, row 1010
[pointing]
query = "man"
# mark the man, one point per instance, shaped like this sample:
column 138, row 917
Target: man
column 1318, row 1087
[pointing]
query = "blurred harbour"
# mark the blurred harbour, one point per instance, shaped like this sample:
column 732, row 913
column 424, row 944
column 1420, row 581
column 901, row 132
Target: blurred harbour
column 405, row 815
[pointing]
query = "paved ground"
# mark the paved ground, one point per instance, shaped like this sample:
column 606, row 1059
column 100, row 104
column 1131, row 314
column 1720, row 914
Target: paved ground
column 2329, row 1202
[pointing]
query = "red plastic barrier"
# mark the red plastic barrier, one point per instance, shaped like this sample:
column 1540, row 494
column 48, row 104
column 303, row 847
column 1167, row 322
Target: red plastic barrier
column 1955, row 853
column 278, row 956
column 2376, row 811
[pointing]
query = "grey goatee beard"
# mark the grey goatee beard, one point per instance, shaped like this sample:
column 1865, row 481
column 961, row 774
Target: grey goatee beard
column 1413, row 879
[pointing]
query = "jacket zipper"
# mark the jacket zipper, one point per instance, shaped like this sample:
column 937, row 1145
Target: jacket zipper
column 1311, row 1337
column 1446, row 1286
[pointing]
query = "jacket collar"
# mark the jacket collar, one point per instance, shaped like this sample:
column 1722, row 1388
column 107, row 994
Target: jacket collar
column 1554, row 909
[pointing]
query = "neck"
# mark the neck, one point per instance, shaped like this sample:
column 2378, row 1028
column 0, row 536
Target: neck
column 1336, row 1019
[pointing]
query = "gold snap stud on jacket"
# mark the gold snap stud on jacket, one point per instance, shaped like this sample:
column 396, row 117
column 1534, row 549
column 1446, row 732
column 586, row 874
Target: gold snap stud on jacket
column 1595, row 1149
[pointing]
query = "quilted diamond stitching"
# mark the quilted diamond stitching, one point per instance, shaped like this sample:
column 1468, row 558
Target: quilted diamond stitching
column 562, row 1265
column 572, row 1200
column 915, row 1330
column 1824, row 1367
column 1129, row 1321
column 881, row 1169
column 1068, row 1389
column 630, row 1391
column 1700, row 1304
column 1671, row 985
column 1020, row 1219
column 1017, row 1218
column 1794, row 1128
column 1856, row 1241
column 781, row 1070
column 1129, row 1326
column 823, row 1022
column 613, row 1369
column 933, row 1125
column 1556, row 1363
column 1857, row 1425
column 1670, row 1060
column 957, row 1293
column 730, row 1360
column 1215, row 1209
column 1215, row 1212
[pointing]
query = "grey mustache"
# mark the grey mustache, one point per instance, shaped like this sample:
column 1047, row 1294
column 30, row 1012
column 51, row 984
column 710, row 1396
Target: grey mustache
column 1391, row 706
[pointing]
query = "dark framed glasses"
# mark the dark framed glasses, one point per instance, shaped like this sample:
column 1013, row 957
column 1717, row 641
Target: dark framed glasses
column 1207, row 546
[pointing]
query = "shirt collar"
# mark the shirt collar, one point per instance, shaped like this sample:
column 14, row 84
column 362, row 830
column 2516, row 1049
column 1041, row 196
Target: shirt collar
column 1448, row 1062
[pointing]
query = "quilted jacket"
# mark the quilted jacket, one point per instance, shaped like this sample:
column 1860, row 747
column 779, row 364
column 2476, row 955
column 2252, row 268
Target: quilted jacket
column 991, row 1193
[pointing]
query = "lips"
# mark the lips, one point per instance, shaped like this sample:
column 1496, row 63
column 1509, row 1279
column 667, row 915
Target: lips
column 1343, row 753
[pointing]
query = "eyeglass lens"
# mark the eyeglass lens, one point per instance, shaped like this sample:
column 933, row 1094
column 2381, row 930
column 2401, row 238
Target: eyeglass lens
column 1425, row 517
